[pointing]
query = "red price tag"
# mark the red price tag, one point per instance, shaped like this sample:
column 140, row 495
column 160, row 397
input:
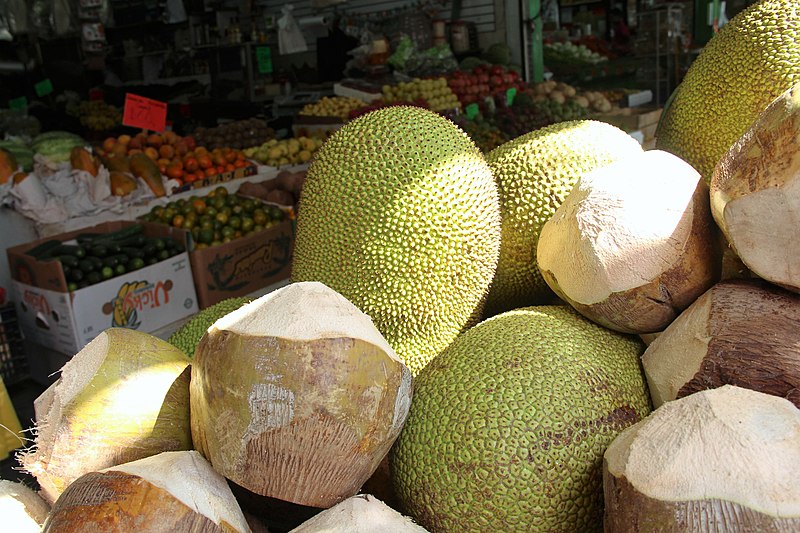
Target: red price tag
column 141, row 112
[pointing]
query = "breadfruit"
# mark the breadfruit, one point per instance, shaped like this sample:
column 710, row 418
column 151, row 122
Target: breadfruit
column 752, row 60
column 400, row 214
column 535, row 172
column 509, row 424
column 188, row 336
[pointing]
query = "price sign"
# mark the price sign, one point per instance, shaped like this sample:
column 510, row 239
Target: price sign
column 510, row 95
column 43, row 88
column 141, row 112
column 19, row 103
column 264, row 59
column 472, row 111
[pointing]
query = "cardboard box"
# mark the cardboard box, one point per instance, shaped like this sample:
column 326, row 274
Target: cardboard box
column 145, row 299
column 631, row 118
column 243, row 265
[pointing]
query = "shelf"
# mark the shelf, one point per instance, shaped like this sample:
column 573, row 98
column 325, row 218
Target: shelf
column 203, row 78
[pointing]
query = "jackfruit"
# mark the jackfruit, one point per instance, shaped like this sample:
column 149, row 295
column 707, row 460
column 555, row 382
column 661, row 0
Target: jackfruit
column 509, row 424
column 187, row 337
column 750, row 62
column 535, row 172
column 399, row 213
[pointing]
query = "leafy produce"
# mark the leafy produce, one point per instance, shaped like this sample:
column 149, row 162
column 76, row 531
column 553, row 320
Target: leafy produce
column 571, row 53
column 396, row 206
column 238, row 134
column 170, row 491
column 751, row 309
column 513, row 418
column 331, row 106
column 123, row 397
column 535, row 173
column 314, row 396
column 728, row 456
column 217, row 217
column 756, row 56
column 633, row 244
column 188, row 336
column 284, row 152
column 752, row 193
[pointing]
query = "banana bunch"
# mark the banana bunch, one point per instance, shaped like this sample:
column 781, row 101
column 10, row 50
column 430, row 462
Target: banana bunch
column 278, row 153
column 98, row 115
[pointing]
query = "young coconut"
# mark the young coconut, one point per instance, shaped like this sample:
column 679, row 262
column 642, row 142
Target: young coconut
column 22, row 509
column 171, row 491
column 297, row 396
column 740, row 332
column 123, row 397
column 725, row 459
column 363, row 513
column 755, row 189
column 633, row 244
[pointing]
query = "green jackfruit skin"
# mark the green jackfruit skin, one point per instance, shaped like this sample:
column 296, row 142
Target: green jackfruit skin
column 400, row 214
column 509, row 425
column 750, row 62
column 535, row 172
column 187, row 337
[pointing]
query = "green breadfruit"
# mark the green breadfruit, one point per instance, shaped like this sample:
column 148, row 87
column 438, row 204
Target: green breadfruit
column 399, row 213
column 509, row 424
column 188, row 336
column 750, row 62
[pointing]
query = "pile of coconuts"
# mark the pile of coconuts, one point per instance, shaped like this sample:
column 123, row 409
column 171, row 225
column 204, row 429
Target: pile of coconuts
column 296, row 398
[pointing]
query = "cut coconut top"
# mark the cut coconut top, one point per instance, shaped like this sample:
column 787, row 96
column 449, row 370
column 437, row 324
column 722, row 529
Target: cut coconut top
column 624, row 225
column 729, row 443
column 304, row 311
column 362, row 513
column 189, row 477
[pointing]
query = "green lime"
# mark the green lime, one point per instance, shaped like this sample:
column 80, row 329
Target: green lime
column 247, row 224
column 235, row 222
column 206, row 235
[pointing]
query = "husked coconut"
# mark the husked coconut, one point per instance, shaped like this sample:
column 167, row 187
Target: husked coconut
column 297, row 396
column 633, row 244
column 21, row 508
column 363, row 513
column 171, row 491
column 123, row 397
column 755, row 193
column 725, row 459
column 740, row 332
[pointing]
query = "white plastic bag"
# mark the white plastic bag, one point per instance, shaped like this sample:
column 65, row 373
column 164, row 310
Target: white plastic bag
column 290, row 38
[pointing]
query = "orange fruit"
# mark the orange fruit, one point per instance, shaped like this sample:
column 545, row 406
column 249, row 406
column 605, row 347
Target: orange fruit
column 191, row 164
column 167, row 151
column 204, row 161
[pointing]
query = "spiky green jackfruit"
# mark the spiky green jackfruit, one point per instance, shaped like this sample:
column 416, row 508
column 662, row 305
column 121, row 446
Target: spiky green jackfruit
column 750, row 62
column 535, row 172
column 187, row 337
column 399, row 213
column 509, row 424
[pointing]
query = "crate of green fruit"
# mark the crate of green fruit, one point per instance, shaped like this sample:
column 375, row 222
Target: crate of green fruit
column 72, row 286
column 238, row 245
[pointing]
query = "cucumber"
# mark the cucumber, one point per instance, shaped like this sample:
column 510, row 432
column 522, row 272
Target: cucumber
column 122, row 234
column 69, row 249
column 149, row 249
column 107, row 272
column 134, row 240
column 40, row 251
column 98, row 250
column 87, row 238
column 120, row 269
column 69, row 260
column 135, row 263
column 96, row 261
column 86, row 265
column 76, row 275
column 132, row 252
column 111, row 261
column 93, row 277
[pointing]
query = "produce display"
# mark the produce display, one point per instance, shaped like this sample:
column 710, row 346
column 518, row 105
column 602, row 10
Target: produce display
column 96, row 257
column 97, row 115
column 237, row 134
column 331, row 106
column 492, row 81
column 571, row 53
column 285, row 152
column 217, row 217
column 435, row 92
column 542, row 336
